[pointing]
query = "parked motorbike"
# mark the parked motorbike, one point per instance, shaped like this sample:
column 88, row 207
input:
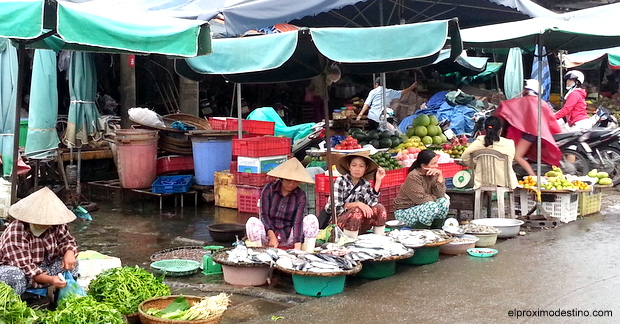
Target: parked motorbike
column 596, row 148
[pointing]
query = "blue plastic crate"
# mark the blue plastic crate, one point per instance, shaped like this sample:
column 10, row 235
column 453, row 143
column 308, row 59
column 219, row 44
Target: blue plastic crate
column 173, row 184
column 449, row 183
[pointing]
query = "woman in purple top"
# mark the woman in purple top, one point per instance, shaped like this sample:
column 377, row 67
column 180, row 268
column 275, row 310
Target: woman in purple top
column 281, row 222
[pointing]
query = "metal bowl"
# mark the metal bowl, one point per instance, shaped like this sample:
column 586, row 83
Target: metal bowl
column 226, row 232
column 509, row 227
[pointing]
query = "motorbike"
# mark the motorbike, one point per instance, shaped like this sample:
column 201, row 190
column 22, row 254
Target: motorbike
column 596, row 148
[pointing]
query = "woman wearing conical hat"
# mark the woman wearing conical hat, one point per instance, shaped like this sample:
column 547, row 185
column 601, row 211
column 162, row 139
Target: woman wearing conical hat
column 37, row 245
column 281, row 221
column 356, row 199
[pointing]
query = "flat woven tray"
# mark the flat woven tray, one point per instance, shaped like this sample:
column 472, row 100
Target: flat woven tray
column 440, row 243
column 176, row 267
column 221, row 257
column 194, row 253
column 358, row 268
column 395, row 257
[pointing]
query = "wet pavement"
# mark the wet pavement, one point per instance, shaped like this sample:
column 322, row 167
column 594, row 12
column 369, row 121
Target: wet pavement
column 573, row 267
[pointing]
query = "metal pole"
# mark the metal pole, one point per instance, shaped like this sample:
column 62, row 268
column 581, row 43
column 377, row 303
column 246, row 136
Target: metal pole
column 561, row 57
column 383, row 115
column 239, row 111
column 21, row 65
column 328, row 143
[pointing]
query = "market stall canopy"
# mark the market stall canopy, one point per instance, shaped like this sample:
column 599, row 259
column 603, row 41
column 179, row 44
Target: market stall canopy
column 471, row 13
column 590, row 60
column 239, row 15
column 303, row 54
column 92, row 27
column 563, row 33
column 465, row 65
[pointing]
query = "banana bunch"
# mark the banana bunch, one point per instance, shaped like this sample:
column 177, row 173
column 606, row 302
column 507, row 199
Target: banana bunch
column 207, row 307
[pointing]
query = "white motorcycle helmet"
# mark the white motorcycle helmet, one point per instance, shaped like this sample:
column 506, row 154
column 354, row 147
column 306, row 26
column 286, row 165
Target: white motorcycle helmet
column 576, row 76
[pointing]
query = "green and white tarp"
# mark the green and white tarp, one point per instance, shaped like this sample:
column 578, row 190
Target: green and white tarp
column 590, row 60
column 91, row 28
column 8, row 88
column 303, row 54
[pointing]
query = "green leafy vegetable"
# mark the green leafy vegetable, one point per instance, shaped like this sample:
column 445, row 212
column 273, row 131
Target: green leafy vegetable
column 76, row 309
column 13, row 309
column 125, row 288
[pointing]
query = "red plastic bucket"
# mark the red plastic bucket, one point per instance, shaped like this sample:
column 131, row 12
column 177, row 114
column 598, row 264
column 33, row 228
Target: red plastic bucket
column 136, row 159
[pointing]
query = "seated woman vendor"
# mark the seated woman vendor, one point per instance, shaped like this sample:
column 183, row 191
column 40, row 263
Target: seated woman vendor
column 422, row 197
column 493, row 140
column 356, row 200
column 37, row 245
column 282, row 206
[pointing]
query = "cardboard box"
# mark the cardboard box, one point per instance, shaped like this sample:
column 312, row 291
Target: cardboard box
column 259, row 164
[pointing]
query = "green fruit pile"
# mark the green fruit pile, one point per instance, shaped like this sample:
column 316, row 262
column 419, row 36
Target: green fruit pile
column 602, row 178
column 426, row 128
column 378, row 139
column 385, row 160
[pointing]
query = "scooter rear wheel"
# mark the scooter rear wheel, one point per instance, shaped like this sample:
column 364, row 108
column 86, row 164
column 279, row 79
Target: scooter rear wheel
column 613, row 157
column 580, row 167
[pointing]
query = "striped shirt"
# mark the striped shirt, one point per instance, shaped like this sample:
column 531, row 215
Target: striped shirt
column 20, row 248
column 283, row 214
column 343, row 186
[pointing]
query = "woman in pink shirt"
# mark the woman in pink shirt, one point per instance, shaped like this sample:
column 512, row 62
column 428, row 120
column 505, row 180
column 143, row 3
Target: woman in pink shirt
column 575, row 103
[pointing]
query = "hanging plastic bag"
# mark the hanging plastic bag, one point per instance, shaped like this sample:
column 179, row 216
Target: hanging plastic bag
column 72, row 287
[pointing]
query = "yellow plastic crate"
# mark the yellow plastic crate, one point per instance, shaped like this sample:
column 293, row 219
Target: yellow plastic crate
column 225, row 191
column 590, row 202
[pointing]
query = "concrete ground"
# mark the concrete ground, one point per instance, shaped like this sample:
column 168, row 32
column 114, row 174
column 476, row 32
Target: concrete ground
column 573, row 267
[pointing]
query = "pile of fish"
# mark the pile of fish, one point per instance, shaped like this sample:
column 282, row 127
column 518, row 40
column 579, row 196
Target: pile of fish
column 417, row 238
column 479, row 229
column 314, row 262
column 243, row 254
column 374, row 247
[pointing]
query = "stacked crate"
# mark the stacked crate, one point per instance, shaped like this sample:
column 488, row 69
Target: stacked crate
column 255, row 157
column 388, row 190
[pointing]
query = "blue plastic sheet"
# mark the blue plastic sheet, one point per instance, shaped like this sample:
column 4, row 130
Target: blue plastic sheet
column 460, row 116
column 296, row 132
column 72, row 287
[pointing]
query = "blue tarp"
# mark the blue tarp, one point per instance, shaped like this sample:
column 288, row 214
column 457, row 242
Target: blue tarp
column 296, row 132
column 460, row 116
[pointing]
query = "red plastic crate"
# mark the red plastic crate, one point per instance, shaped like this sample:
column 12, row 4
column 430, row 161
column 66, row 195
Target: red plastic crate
column 394, row 177
column 450, row 169
column 218, row 123
column 321, row 201
column 387, row 197
column 256, row 127
column 251, row 179
column 247, row 199
column 174, row 163
column 261, row 146
column 233, row 166
column 322, row 183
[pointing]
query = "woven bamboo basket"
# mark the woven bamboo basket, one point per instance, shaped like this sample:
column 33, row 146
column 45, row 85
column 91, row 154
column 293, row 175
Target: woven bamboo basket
column 221, row 257
column 183, row 252
column 440, row 243
column 163, row 302
column 353, row 271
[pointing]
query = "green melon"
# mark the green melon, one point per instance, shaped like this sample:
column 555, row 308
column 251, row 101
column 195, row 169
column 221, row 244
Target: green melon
column 433, row 119
column 427, row 140
column 444, row 139
column 430, row 130
column 410, row 131
column 437, row 140
column 375, row 143
column 421, row 131
column 385, row 143
column 422, row 120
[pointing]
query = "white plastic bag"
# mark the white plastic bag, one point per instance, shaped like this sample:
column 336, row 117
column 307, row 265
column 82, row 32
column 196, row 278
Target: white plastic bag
column 146, row 116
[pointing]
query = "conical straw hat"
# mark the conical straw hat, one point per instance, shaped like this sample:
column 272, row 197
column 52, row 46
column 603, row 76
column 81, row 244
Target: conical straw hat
column 291, row 170
column 342, row 165
column 42, row 207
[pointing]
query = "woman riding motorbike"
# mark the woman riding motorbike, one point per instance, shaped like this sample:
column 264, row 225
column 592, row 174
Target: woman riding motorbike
column 574, row 109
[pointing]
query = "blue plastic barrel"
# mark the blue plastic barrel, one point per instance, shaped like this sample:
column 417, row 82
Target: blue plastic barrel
column 211, row 154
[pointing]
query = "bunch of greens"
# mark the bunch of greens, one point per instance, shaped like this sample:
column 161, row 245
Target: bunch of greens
column 76, row 309
column 13, row 309
column 125, row 288
column 205, row 308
